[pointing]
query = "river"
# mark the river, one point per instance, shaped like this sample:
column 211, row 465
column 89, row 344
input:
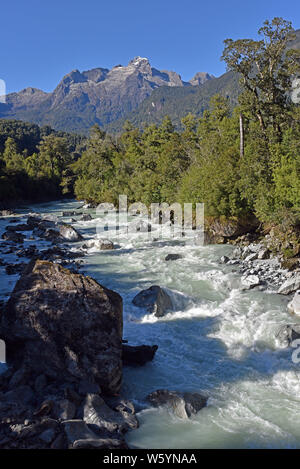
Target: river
column 220, row 341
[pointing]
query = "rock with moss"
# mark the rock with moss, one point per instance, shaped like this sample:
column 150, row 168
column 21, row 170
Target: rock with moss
column 232, row 227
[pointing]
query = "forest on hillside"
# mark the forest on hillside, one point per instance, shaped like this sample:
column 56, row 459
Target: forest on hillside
column 238, row 162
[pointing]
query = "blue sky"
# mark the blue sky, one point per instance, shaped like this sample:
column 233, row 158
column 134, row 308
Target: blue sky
column 43, row 40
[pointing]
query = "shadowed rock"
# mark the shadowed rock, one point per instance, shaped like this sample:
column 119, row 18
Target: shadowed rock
column 100, row 443
column 233, row 227
column 52, row 230
column 138, row 355
column 13, row 237
column 173, row 257
column 96, row 412
column 20, row 227
column 64, row 324
column 86, row 217
column 13, row 269
column 77, row 430
column 184, row 405
column 155, row 300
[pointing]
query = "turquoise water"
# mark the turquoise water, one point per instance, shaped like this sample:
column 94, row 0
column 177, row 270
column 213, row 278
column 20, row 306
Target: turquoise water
column 220, row 341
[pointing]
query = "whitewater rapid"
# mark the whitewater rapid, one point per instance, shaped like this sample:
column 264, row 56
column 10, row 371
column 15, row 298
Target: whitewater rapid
column 221, row 341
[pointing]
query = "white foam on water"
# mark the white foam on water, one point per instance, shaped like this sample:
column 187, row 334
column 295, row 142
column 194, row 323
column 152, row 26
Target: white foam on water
column 219, row 340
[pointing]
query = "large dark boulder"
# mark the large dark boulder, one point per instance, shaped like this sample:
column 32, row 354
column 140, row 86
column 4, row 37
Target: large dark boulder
column 173, row 257
column 52, row 230
column 155, row 300
column 20, row 227
column 64, row 325
column 183, row 404
column 13, row 237
column 13, row 269
column 34, row 221
column 80, row 436
column 138, row 355
column 97, row 412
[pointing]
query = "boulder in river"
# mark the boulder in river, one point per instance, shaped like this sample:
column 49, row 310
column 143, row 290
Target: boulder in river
column 28, row 252
column 183, row 404
column 68, row 233
column 105, row 244
column 290, row 285
column 86, row 217
column 71, row 213
column 138, row 355
column 287, row 334
column 64, row 324
column 20, row 227
column 250, row 281
column 173, row 257
column 224, row 260
column 13, row 269
column 34, row 221
column 52, row 230
column 99, row 244
column 140, row 226
column 13, row 237
column 294, row 305
column 155, row 300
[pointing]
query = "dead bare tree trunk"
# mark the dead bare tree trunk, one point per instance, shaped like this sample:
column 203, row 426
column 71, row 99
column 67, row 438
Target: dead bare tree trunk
column 241, row 135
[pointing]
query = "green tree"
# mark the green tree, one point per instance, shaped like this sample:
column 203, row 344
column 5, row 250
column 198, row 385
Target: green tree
column 266, row 68
column 13, row 160
column 54, row 153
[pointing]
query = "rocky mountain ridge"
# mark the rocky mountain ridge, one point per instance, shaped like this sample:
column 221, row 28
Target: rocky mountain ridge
column 97, row 96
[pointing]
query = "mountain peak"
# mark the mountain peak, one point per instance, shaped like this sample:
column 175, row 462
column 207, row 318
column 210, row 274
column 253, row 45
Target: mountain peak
column 200, row 78
column 30, row 91
column 137, row 61
column 98, row 95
